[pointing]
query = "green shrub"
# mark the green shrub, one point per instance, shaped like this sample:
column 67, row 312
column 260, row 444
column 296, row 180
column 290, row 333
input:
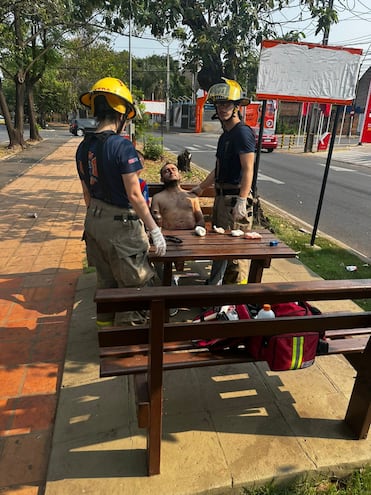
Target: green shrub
column 142, row 122
column 284, row 127
column 153, row 149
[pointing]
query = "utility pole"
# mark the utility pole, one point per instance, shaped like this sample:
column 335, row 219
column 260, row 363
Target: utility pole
column 315, row 109
column 130, row 126
column 167, row 42
column 312, row 126
column 326, row 32
column 331, row 148
column 168, row 89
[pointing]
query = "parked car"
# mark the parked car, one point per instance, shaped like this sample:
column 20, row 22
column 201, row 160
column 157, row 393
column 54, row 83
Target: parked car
column 2, row 120
column 269, row 142
column 78, row 127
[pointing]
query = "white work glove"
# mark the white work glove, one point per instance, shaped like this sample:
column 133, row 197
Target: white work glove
column 196, row 190
column 158, row 241
column 218, row 230
column 239, row 211
column 200, row 231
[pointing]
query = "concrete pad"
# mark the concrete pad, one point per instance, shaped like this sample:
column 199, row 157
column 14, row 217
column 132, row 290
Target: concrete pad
column 192, row 456
column 87, row 408
column 338, row 371
column 318, row 425
column 287, row 270
column 259, row 446
column 224, row 427
column 305, row 382
column 81, row 362
column 237, row 387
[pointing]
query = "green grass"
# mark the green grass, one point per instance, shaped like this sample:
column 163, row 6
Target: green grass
column 357, row 483
column 326, row 257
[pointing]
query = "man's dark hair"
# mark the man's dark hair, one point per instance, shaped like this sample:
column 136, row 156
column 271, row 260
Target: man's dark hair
column 102, row 110
column 164, row 165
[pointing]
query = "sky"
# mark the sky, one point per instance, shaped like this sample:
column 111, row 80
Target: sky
column 352, row 31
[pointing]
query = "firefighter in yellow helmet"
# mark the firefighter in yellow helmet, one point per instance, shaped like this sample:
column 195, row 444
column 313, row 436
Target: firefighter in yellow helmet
column 117, row 213
column 232, row 176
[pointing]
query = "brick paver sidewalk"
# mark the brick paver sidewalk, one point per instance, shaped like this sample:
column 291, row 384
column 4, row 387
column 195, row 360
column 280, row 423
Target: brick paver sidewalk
column 41, row 260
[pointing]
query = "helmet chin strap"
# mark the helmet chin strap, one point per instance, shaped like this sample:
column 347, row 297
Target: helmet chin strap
column 121, row 123
column 235, row 111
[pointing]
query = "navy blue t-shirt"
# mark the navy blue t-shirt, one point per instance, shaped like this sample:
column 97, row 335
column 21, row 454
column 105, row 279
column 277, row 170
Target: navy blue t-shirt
column 239, row 140
column 119, row 157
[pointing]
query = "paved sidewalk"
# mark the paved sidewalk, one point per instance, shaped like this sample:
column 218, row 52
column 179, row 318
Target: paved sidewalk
column 240, row 425
column 224, row 427
column 41, row 261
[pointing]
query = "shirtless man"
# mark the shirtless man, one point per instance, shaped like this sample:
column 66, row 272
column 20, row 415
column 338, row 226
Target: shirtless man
column 174, row 207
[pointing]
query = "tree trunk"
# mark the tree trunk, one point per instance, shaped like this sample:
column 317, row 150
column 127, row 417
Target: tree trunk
column 34, row 131
column 15, row 137
column 20, row 89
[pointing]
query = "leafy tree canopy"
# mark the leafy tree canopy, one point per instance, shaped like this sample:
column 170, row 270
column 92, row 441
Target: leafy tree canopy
column 30, row 34
column 220, row 38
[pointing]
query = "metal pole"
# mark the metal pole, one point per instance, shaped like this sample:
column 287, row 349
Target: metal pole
column 168, row 90
column 319, row 128
column 258, row 151
column 328, row 119
column 351, row 125
column 315, row 109
column 130, row 130
column 326, row 32
column 300, row 123
column 324, row 180
column 342, row 125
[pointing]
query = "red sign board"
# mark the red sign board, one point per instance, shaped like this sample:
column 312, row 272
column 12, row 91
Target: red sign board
column 366, row 130
column 253, row 113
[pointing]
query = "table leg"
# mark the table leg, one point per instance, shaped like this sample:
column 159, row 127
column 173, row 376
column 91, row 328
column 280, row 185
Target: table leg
column 256, row 270
column 155, row 386
column 358, row 416
column 167, row 276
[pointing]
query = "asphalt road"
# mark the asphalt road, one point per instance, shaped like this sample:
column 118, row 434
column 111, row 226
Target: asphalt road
column 292, row 182
column 295, row 187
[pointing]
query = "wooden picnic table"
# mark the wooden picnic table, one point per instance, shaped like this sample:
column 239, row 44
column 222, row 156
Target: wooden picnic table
column 216, row 246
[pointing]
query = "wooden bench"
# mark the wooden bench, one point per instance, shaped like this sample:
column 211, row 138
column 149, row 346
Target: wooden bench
column 147, row 352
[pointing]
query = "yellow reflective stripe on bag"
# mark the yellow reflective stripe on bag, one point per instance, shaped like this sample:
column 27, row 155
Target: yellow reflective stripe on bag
column 297, row 352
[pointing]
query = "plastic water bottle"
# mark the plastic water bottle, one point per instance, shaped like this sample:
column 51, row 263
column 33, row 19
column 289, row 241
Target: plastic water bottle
column 265, row 312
